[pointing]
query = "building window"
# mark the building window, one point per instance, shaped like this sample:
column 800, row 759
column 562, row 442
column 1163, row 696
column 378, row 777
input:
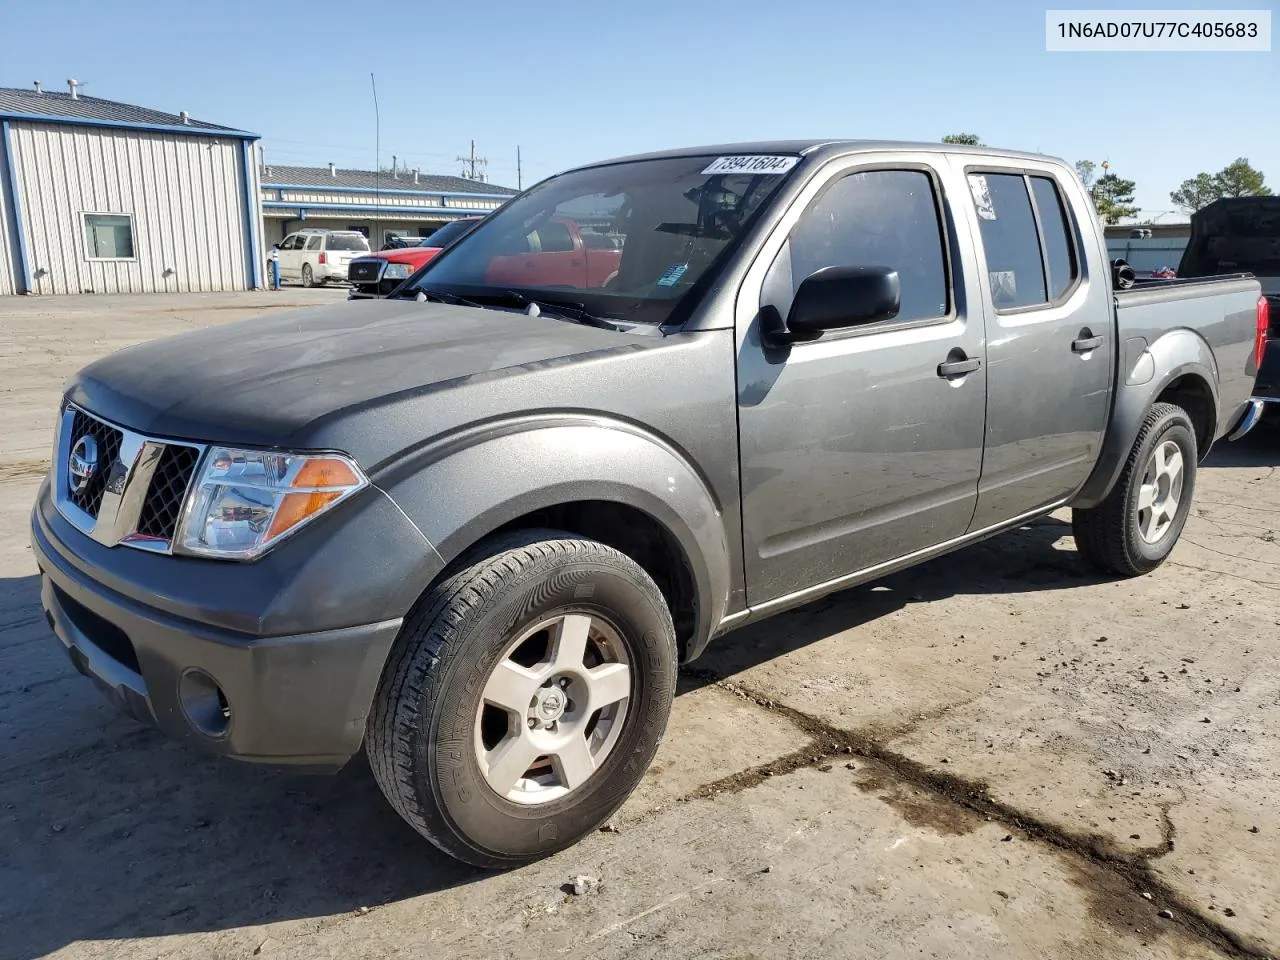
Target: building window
column 108, row 236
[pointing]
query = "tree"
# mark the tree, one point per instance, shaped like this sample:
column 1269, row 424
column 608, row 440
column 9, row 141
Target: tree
column 1236, row 179
column 1113, row 198
column 1199, row 191
column 964, row 139
column 1085, row 170
column 1240, row 179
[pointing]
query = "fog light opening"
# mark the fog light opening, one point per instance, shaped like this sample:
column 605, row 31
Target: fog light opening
column 204, row 704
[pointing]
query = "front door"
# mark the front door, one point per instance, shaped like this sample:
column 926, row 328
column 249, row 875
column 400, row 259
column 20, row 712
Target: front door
column 291, row 255
column 1051, row 341
column 865, row 445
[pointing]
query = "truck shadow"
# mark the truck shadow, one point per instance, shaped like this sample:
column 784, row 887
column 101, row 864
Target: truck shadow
column 1259, row 448
column 149, row 838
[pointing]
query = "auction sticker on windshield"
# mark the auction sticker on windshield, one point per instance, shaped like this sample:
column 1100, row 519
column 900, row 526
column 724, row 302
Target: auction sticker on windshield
column 751, row 163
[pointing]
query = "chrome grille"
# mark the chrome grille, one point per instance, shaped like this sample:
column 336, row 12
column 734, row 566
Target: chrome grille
column 135, row 495
column 365, row 271
column 163, row 505
column 108, row 440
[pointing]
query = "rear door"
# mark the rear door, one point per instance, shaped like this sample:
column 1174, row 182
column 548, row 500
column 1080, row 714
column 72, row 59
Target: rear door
column 310, row 254
column 865, row 445
column 1050, row 327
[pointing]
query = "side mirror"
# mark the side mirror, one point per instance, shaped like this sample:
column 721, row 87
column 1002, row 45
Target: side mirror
column 835, row 298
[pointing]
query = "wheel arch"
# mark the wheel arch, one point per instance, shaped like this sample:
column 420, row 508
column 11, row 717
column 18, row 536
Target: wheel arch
column 619, row 486
column 1188, row 378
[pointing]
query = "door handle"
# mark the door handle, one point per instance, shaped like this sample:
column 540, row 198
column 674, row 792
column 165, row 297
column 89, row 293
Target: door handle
column 958, row 368
column 1085, row 344
column 575, row 263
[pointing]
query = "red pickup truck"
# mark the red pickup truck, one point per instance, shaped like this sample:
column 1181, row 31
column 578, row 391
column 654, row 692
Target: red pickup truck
column 377, row 274
column 558, row 253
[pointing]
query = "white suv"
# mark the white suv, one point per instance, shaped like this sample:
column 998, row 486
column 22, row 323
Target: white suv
column 318, row 256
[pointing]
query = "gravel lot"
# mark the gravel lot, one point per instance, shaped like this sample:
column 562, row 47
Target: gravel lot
column 993, row 755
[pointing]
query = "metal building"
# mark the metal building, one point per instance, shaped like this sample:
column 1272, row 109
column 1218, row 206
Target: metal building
column 379, row 205
column 105, row 197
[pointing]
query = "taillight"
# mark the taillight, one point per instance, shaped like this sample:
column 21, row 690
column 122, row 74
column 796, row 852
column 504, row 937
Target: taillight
column 323, row 259
column 1260, row 338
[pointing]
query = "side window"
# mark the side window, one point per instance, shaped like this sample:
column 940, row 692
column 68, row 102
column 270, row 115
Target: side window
column 554, row 237
column 1059, row 247
column 886, row 218
column 1009, row 238
column 313, row 242
column 109, row 236
column 287, row 243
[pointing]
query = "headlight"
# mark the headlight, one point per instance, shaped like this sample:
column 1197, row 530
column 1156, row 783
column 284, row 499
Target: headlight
column 396, row 271
column 245, row 501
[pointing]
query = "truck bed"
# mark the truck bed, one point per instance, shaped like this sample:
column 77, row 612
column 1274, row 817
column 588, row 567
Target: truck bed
column 1220, row 311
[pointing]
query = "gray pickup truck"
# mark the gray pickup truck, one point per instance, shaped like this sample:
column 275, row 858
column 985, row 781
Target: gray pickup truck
column 474, row 528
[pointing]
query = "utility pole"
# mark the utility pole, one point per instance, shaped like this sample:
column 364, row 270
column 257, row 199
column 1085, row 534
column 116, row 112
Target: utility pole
column 519, row 174
column 470, row 163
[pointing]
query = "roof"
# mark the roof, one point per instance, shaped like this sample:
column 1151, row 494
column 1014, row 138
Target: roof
column 53, row 107
column 828, row 147
column 274, row 174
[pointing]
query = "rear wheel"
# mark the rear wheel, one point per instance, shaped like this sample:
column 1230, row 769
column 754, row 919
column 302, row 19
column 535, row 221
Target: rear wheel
column 308, row 278
column 1136, row 527
column 525, row 698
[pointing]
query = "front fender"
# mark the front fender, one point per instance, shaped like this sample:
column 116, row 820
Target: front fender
column 462, row 488
column 1146, row 374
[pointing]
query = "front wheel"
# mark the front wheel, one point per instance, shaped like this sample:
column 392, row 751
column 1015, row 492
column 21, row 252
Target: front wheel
column 1136, row 527
column 524, row 699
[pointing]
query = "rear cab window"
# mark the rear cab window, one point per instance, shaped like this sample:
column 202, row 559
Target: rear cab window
column 1027, row 240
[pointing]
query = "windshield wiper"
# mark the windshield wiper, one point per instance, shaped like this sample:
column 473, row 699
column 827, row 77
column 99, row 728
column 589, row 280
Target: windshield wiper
column 440, row 296
column 574, row 311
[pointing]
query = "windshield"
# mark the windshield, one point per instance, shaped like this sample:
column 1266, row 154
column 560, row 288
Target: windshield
column 627, row 240
column 448, row 233
column 1234, row 236
column 347, row 241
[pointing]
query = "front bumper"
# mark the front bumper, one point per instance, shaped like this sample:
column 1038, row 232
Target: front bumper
column 298, row 699
column 369, row 291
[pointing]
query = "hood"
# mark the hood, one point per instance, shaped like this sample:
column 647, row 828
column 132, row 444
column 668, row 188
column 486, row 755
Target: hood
column 265, row 381
column 416, row 256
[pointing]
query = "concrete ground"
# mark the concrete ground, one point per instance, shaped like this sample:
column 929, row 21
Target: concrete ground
column 993, row 755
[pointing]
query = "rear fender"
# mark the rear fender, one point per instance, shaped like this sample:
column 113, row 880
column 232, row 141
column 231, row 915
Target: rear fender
column 1146, row 374
column 462, row 488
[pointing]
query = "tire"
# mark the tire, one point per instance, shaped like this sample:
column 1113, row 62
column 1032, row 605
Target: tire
column 308, row 278
column 1120, row 535
column 435, row 739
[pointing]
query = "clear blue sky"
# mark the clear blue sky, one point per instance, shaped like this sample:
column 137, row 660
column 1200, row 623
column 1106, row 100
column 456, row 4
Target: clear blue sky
column 571, row 82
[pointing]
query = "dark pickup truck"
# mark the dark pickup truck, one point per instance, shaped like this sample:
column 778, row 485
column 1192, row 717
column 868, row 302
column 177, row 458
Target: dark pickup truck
column 1238, row 234
column 473, row 528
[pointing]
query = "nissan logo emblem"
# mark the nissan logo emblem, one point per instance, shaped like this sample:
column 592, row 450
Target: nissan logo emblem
column 82, row 464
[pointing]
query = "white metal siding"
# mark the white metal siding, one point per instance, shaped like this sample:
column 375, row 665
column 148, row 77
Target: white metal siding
column 8, row 235
column 184, row 194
